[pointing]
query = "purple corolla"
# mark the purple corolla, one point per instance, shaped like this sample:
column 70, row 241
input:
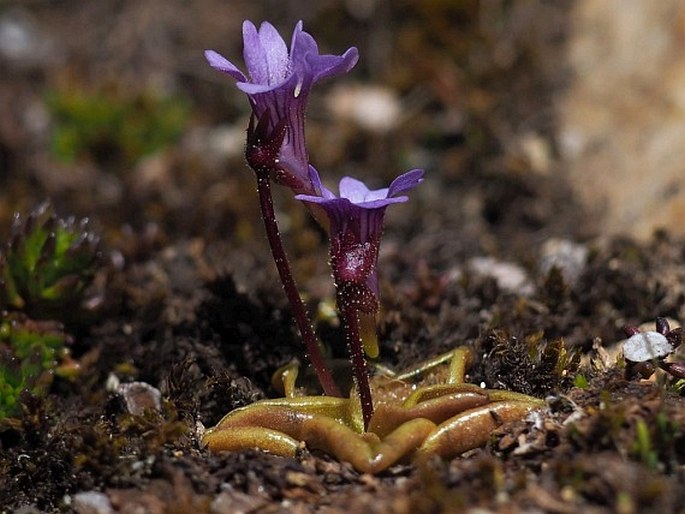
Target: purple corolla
column 278, row 86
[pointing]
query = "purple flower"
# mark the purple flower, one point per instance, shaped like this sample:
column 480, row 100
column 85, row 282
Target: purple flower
column 356, row 225
column 278, row 86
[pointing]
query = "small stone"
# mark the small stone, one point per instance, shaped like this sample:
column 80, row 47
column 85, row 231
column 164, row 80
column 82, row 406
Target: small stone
column 509, row 276
column 646, row 346
column 140, row 396
column 569, row 257
column 373, row 108
column 23, row 44
column 92, row 502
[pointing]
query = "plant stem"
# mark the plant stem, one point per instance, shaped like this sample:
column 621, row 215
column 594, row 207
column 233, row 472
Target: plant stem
column 299, row 310
column 354, row 341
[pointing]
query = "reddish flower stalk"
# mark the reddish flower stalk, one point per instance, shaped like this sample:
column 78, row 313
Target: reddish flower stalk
column 299, row 310
column 350, row 318
column 263, row 147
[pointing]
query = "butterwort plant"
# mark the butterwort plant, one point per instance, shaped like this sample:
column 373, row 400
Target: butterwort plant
column 278, row 83
column 428, row 410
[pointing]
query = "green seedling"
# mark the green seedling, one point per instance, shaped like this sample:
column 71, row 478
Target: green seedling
column 31, row 353
column 580, row 381
column 15, row 377
column 28, row 339
column 657, row 442
column 642, row 447
column 47, row 264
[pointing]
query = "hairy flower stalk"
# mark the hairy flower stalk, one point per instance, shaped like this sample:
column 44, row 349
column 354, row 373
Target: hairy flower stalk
column 278, row 87
column 356, row 226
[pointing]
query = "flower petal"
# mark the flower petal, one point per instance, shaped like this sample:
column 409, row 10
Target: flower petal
column 352, row 189
column 324, row 66
column 306, row 61
column 376, row 194
column 253, row 89
column 335, row 207
column 254, row 54
column 406, row 182
column 315, row 179
column 275, row 52
column 382, row 202
column 302, row 44
column 220, row 63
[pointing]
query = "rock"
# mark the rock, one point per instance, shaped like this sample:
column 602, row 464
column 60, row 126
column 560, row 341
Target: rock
column 373, row 108
column 509, row 276
column 22, row 43
column 140, row 396
column 92, row 502
column 622, row 120
column 569, row 257
column 646, row 346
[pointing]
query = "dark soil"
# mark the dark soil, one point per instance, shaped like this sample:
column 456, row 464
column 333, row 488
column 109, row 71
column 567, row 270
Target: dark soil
column 191, row 304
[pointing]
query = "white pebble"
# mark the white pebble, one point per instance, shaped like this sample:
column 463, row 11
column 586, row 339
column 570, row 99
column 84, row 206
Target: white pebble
column 646, row 346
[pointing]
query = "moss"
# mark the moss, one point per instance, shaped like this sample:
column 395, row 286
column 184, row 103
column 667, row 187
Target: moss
column 111, row 128
column 532, row 365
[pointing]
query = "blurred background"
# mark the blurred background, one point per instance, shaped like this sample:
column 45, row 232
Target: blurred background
column 533, row 119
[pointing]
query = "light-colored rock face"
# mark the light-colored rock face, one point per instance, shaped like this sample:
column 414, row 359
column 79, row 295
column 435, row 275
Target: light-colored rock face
column 623, row 116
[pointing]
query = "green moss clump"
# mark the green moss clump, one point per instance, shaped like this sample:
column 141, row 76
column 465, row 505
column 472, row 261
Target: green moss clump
column 31, row 352
column 113, row 129
column 532, row 365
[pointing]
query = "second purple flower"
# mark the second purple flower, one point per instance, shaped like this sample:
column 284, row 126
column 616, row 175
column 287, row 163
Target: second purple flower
column 356, row 226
